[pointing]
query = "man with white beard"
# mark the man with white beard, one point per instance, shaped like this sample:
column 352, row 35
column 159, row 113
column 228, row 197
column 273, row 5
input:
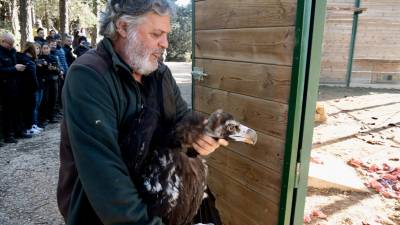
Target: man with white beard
column 105, row 92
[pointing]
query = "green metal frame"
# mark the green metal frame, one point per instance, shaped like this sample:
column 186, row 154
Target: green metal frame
column 294, row 114
column 309, row 104
column 304, row 91
column 193, row 50
column 352, row 43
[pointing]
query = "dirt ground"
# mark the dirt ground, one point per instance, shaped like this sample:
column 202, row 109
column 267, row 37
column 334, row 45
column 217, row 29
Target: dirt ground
column 363, row 124
column 28, row 180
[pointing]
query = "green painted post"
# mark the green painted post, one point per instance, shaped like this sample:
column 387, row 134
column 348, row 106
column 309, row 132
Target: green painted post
column 302, row 31
column 193, row 50
column 352, row 43
column 311, row 96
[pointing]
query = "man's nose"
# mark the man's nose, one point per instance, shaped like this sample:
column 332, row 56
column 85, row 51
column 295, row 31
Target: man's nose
column 164, row 41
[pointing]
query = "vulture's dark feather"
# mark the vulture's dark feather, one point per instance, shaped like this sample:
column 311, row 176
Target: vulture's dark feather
column 171, row 179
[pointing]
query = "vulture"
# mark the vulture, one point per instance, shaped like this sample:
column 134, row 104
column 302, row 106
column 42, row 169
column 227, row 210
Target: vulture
column 167, row 171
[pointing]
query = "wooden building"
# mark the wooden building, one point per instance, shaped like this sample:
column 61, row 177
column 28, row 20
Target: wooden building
column 376, row 35
column 259, row 57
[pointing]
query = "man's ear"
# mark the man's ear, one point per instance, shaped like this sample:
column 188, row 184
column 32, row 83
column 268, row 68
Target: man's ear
column 122, row 28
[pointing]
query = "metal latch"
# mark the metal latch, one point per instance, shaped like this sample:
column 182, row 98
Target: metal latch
column 198, row 73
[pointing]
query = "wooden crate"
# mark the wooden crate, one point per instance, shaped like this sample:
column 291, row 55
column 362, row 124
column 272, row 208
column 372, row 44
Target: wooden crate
column 378, row 38
column 246, row 48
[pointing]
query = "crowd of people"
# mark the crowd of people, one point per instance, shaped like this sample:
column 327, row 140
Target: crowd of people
column 31, row 82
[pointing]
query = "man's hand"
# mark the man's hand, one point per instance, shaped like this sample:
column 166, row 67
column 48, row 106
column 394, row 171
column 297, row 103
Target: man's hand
column 20, row 67
column 205, row 145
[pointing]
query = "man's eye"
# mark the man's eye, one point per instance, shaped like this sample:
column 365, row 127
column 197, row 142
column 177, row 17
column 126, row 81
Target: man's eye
column 157, row 35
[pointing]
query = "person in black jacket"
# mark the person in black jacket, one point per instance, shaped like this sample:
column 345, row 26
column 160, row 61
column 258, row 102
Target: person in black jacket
column 9, row 90
column 40, row 90
column 28, row 87
column 68, row 50
column 107, row 89
column 83, row 46
column 49, row 75
column 75, row 41
column 40, row 36
column 51, row 35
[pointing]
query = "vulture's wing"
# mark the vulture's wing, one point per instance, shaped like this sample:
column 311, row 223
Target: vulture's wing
column 192, row 172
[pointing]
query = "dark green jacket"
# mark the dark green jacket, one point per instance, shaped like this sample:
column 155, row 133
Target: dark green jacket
column 100, row 97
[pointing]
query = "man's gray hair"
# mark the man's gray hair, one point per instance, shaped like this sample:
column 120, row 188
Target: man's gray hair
column 7, row 36
column 131, row 11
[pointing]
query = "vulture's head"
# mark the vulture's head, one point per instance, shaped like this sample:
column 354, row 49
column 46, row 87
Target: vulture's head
column 222, row 125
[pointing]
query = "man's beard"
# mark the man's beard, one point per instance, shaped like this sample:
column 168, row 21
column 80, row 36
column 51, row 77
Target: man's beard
column 139, row 57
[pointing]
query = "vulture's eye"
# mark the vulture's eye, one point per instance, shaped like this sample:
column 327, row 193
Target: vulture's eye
column 232, row 127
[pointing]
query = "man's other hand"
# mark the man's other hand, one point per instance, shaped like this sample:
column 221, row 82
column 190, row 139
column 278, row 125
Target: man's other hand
column 20, row 67
column 205, row 145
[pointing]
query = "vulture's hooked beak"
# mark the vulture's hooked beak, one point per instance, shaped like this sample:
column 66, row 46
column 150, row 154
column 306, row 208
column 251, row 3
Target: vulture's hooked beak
column 245, row 134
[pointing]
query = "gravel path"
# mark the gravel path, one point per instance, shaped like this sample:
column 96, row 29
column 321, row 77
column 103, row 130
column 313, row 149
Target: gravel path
column 28, row 180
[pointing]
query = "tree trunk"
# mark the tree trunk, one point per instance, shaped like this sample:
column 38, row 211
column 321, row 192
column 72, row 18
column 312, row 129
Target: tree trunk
column 48, row 21
column 63, row 18
column 14, row 18
column 25, row 21
column 33, row 15
column 95, row 31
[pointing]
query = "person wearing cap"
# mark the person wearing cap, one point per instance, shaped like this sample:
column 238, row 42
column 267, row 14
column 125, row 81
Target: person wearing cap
column 106, row 89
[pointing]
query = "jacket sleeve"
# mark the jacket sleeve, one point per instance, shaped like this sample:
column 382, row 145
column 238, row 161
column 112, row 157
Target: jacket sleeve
column 92, row 125
column 54, row 61
column 62, row 60
column 31, row 70
column 8, row 70
column 5, row 69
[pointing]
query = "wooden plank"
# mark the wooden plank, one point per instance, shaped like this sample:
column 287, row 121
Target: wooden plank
column 264, row 116
column 248, row 173
column 268, row 151
column 259, row 45
column 386, row 52
column 337, row 34
column 328, row 78
column 381, row 2
column 258, row 80
column 376, row 65
column 334, row 66
column 251, row 203
column 380, row 19
column 233, row 216
column 245, row 14
column 342, row 3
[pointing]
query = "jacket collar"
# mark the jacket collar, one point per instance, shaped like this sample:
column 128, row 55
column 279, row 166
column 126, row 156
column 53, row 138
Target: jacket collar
column 117, row 62
column 11, row 51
